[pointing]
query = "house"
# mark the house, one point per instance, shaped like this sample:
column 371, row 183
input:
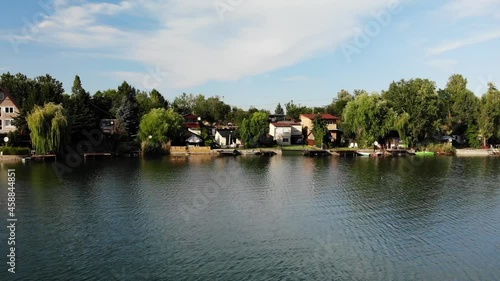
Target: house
column 192, row 123
column 226, row 137
column 108, row 126
column 332, row 122
column 8, row 110
column 286, row 133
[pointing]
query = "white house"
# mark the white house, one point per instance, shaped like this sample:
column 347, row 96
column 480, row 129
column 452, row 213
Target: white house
column 225, row 137
column 286, row 133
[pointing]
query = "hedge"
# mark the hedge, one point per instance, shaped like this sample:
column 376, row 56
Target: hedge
column 11, row 150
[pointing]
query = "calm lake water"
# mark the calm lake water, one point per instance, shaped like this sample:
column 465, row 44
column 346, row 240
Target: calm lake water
column 253, row 218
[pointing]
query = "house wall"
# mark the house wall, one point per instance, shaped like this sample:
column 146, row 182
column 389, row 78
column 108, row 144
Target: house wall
column 306, row 122
column 220, row 139
column 272, row 130
column 283, row 135
column 4, row 116
column 332, row 125
column 296, row 130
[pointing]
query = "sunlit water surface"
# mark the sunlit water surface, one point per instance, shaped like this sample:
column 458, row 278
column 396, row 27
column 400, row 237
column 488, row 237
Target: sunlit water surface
column 254, row 218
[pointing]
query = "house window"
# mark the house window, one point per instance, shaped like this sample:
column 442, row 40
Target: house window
column 9, row 109
column 329, row 122
column 8, row 123
column 285, row 140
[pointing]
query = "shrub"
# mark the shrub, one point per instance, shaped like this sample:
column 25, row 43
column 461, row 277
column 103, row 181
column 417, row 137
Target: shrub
column 443, row 148
column 11, row 150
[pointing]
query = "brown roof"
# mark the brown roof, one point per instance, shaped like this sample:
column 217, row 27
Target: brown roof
column 285, row 124
column 7, row 94
column 325, row 116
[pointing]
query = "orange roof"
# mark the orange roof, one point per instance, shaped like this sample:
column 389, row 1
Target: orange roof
column 325, row 116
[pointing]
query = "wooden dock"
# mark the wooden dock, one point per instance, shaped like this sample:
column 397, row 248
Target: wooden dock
column 316, row 152
column 266, row 153
column 228, row 152
column 98, row 154
column 397, row 152
column 36, row 157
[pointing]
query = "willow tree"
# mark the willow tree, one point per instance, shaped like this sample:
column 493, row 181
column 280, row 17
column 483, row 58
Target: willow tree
column 48, row 127
column 158, row 127
column 369, row 118
column 254, row 129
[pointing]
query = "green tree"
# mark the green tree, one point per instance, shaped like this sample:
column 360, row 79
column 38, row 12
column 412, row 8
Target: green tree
column 237, row 115
column 369, row 118
column 219, row 111
column 110, row 100
column 320, row 131
column 80, row 111
column 148, row 101
column 490, row 114
column 293, row 111
column 279, row 110
column 157, row 100
column 415, row 102
column 19, row 86
column 128, row 113
column 48, row 128
column 338, row 104
column 253, row 130
column 31, row 92
column 184, row 104
column 102, row 104
column 158, row 127
column 464, row 108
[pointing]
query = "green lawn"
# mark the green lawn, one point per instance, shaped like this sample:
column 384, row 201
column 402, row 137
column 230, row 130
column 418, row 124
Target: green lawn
column 296, row 148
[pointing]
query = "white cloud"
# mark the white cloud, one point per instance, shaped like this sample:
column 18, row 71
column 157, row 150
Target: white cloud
column 471, row 8
column 472, row 40
column 194, row 45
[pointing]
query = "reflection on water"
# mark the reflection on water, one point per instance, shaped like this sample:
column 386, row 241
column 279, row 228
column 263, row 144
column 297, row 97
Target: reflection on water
column 259, row 218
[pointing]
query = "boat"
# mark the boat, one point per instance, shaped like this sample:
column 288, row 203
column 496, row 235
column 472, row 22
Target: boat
column 363, row 154
column 424, row 153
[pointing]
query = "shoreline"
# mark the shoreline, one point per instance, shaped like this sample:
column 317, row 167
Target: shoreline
column 463, row 152
column 11, row 158
column 471, row 152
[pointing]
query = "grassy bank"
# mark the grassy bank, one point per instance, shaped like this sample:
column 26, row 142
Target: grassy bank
column 444, row 148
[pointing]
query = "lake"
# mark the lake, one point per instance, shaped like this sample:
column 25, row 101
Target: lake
column 256, row 218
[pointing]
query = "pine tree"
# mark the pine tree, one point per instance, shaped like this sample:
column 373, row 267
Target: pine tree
column 128, row 113
column 81, row 113
column 279, row 110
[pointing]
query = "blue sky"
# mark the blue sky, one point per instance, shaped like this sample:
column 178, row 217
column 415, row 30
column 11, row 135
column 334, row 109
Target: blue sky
column 254, row 53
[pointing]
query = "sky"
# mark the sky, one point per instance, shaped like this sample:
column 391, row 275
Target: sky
column 252, row 52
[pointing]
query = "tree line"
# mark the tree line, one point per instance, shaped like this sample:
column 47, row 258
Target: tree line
column 415, row 109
